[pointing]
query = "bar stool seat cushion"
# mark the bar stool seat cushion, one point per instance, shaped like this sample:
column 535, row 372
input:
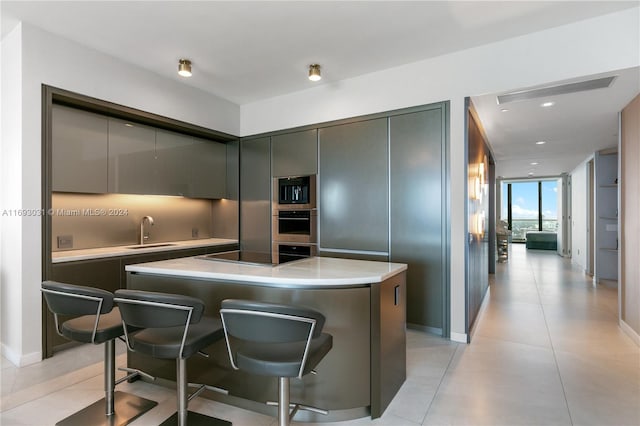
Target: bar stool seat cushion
column 81, row 329
column 281, row 359
column 165, row 342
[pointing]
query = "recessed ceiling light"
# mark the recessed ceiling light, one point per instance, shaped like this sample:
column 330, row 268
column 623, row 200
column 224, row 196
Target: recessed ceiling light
column 547, row 104
column 128, row 124
column 504, row 110
column 541, row 142
column 534, row 163
column 184, row 67
column 530, row 173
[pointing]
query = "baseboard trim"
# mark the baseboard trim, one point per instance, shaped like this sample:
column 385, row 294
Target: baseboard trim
column 427, row 329
column 630, row 332
column 20, row 360
column 459, row 337
column 483, row 307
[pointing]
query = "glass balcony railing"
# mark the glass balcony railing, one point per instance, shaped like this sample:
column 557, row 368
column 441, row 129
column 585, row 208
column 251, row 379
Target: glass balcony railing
column 519, row 227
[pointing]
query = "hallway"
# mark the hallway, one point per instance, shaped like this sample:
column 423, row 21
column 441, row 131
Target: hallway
column 547, row 351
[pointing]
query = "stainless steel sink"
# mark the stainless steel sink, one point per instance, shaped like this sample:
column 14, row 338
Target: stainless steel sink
column 150, row 246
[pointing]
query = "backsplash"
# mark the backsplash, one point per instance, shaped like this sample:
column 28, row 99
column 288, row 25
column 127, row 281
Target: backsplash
column 107, row 220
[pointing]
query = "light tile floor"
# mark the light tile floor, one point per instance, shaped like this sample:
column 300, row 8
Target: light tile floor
column 547, row 350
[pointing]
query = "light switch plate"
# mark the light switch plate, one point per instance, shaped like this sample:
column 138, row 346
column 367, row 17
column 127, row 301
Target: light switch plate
column 65, row 241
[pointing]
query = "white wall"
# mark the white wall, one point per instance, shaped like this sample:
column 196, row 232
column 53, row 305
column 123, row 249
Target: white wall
column 48, row 59
column 579, row 214
column 11, row 195
column 602, row 44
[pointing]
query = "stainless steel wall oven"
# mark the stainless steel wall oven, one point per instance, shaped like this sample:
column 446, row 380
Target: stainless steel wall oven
column 294, row 223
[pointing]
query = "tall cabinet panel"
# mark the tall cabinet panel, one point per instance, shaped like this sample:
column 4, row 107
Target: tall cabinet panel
column 295, row 154
column 79, row 151
column 255, row 195
column 354, row 189
column 131, row 158
column 416, row 211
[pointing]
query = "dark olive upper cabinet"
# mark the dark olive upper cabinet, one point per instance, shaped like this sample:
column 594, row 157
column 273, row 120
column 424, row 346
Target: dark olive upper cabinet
column 208, row 169
column 295, row 154
column 417, row 222
column 172, row 164
column 79, row 151
column 354, row 187
column 255, row 195
column 132, row 152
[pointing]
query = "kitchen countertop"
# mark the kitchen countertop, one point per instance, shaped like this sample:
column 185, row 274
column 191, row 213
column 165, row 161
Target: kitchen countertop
column 312, row 272
column 104, row 252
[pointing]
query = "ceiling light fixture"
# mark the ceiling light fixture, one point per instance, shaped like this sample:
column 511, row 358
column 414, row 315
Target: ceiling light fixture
column 314, row 72
column 547, row 104
column 541, row 142
column 184, row 67
column 504, row 110
column 534, row 163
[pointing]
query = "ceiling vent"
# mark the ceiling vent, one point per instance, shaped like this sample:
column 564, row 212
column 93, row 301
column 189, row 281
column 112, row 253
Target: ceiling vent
column 562, row 89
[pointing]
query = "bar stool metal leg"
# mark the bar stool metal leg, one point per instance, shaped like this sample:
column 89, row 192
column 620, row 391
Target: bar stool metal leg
column 283, row 401
column 109, row 376
column 181, row 384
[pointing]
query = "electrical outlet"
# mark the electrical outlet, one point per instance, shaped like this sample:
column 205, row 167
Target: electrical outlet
column 194, row 232
column 65, row 241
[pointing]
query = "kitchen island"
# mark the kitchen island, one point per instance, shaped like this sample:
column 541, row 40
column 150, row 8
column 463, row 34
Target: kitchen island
column 365, row 308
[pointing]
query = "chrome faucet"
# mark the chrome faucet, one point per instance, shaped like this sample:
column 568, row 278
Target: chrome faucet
column 144, row 236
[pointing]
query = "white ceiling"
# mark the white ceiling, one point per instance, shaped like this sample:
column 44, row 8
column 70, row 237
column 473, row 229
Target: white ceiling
column 247, row 51
column 577, row 125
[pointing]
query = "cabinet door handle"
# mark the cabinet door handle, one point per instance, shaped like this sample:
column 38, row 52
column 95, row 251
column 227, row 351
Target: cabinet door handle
column 396, row 295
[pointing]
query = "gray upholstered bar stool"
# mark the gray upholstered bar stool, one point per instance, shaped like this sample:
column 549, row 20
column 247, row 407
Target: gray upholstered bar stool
column 99, row 322
column 174, row 328
column 275, row 340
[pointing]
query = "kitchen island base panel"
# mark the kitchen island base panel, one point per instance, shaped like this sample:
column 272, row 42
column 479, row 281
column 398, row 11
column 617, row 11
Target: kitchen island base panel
column 351, row 382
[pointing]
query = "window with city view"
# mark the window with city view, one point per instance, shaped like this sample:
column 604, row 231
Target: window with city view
column 534, row 207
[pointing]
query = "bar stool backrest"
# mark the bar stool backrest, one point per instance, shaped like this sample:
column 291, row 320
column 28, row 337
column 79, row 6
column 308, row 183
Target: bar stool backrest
column 270, row 322
column 147, row 309
column 70, row 299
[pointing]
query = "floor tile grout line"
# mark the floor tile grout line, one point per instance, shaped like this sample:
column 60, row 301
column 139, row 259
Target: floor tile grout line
column 435, row 394
column 553, row 350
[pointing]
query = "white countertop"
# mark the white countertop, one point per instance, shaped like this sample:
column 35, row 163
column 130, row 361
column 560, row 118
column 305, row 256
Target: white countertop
column 316, row 272
column 97, row 253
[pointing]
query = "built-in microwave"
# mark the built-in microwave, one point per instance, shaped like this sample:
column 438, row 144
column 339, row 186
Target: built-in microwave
column 295, row 191
column 295, row 225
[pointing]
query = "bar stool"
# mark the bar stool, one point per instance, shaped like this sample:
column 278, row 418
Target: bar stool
column 99, row 323
column 173, row 328
column 275, row 340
